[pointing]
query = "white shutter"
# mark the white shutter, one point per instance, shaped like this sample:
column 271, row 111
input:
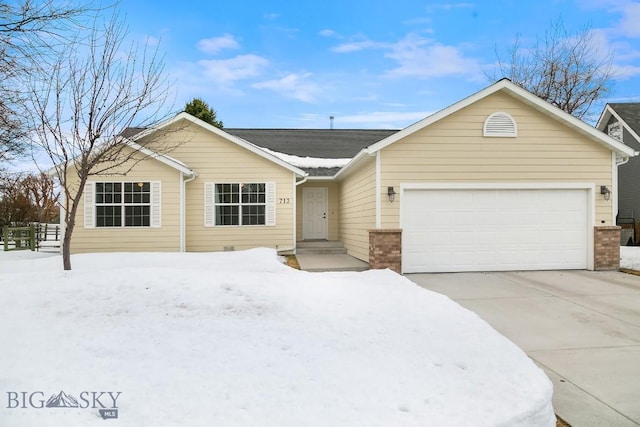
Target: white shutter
column 209, row 188
column 270, row 215
column 156, row 203
column 89, row 205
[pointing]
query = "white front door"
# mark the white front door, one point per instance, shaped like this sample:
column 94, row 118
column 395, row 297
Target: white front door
column 314, row 213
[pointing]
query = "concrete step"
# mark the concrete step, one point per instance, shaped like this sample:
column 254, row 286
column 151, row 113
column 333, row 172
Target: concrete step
column 321, row 251
column 317, row 263
column 320, row 247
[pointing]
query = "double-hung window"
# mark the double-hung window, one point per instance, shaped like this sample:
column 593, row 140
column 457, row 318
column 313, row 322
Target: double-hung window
column 122, row 204
column 239, row 204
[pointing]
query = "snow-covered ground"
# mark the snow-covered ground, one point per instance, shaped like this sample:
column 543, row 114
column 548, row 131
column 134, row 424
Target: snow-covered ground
column 239, row 339
column 630, row 257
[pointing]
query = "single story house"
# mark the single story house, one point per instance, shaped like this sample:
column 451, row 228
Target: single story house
column 500, row 180
column 622, row 122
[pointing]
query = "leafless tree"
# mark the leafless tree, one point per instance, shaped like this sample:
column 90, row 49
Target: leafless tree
column 569, row 70
column 27, row 198
column 94, row 91
column 29, row 32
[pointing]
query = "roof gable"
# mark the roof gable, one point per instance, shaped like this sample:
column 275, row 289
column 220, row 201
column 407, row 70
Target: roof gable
column 517, row 92
column 627, row 113
column 224, row 135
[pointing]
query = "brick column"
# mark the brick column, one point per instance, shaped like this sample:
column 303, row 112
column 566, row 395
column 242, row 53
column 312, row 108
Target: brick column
column 606, row 253
column 385, row 249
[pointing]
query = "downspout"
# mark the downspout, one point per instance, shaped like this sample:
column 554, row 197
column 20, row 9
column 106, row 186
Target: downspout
column 183, row 190
column 617, row 162
column 378, row 189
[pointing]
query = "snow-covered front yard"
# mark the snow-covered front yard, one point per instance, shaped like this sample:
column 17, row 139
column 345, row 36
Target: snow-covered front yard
column 239, row 339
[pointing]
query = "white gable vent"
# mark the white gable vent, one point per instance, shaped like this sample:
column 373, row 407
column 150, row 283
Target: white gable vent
column 500, row 124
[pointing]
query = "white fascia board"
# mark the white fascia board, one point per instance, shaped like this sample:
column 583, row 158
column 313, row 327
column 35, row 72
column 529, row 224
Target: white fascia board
column 588, row 130
column 356, row 159
column 162, row 158
column 604, row 118
column 320, row 178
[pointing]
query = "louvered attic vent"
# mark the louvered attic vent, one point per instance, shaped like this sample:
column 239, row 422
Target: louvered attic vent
column 501, row 125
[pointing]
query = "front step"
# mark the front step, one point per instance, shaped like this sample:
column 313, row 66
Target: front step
column 320, row 247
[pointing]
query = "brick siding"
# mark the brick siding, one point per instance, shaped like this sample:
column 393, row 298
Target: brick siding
column 385, row 249
column 606, row 254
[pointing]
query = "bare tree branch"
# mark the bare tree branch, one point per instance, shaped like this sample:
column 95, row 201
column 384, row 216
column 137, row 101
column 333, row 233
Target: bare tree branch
column 30, row 33
column 568, row 70
column 93, row 92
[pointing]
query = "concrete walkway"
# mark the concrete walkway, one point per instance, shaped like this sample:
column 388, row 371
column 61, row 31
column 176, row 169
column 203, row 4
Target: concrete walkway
column 582, row 328
column 330, row 262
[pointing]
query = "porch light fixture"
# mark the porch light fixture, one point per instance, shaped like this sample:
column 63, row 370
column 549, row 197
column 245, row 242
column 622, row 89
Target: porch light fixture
column 604, row 190
column 391, row 193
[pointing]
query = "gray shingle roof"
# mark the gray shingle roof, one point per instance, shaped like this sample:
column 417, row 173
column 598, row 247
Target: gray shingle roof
column 630, row 113
column 318, row 143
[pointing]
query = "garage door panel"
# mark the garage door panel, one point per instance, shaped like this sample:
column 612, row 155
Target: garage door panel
column 494, row 230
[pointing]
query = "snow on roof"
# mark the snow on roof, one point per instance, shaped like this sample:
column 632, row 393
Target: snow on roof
column 308, row 162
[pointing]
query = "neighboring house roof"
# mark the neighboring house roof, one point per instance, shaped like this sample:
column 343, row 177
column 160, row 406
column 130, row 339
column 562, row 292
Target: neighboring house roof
column 506, row 86
column 628, row 113
column 221, row 133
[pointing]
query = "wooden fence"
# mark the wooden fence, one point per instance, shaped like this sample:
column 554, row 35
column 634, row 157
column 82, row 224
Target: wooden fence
column 30, row 237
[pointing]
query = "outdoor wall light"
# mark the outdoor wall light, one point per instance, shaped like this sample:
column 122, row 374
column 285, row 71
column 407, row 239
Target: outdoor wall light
column 604, row 190
column 391, row 193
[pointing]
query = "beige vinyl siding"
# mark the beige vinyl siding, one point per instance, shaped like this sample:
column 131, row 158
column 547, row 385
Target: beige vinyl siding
column 332, row 214
column 218, row 160
column 135, row 239
column 454, row 150
column 358, row 209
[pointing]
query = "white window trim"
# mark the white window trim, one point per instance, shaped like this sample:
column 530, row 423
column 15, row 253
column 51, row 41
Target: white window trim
column 269, row 210
column 155, row 204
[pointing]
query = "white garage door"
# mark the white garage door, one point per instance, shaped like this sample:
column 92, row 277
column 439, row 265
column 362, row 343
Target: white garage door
column 493, row 230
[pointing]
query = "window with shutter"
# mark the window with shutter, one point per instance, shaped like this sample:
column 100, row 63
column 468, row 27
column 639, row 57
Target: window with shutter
column 123, row 204
column 239, row 204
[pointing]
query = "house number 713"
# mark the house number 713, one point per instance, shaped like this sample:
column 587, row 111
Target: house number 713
column 284, row 201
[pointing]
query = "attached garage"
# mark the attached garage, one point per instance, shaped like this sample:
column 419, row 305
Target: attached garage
column 496, row 228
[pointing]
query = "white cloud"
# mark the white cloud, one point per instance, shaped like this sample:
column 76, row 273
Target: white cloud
column 420, row 57
column 229, row 70
column 328, row 33
column 625, row 71
column 356, row 46
column 384, row 118
column 271, row 15
column 629, row 23
column 293, row 85
column 216, row 44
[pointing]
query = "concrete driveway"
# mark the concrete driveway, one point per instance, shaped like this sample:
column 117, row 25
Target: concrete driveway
column 581, row 327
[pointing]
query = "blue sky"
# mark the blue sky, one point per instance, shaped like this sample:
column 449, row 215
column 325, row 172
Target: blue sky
column 371, row 64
